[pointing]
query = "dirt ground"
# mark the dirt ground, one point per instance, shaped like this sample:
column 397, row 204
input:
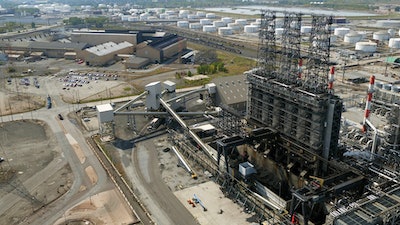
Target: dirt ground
column 28, row 148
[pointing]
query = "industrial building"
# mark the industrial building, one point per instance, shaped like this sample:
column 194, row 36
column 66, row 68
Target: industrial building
column 105, row 54
column 97, row 37
column 163, row 49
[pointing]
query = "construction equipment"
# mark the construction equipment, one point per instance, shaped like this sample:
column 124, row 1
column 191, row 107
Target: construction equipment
column 197, row 200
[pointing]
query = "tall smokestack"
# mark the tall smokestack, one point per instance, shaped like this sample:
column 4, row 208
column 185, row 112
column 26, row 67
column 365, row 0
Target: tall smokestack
column 368, row 102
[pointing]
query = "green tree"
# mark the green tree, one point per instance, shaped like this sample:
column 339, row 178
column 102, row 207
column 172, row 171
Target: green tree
column 33, row 25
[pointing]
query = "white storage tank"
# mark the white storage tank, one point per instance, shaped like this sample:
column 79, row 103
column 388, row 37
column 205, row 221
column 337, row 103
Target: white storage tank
column 305, row 29
column 242, row 22
column 205, row 22
column 251, row 29
column 182, row 24
column 366, row 46
column 169, row 12
column 163, row 16
column 396, row 89
column 144, row 16
column 210, row 16
column 201, row 14
column 225, row 31
column 195, row 26
column 226, row 20
column 172, row 17
column 392, row 32
column 394, row 43
column 218, row 23
column 341, row 31
column 352, row 37
column 279, row 31
column 234, row 26
column 133, row 18
column 380, row 36
column 256, row 24
column 387, row 87
column 192, row 17
column 209, row 28
column 125, row 17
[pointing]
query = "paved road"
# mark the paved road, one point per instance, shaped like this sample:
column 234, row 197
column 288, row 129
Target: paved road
column 160, row 201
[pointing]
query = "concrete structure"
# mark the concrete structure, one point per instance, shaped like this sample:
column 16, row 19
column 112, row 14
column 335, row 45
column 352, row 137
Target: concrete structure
column 153, row 95
column 163, row 49
column 96, row 37
column 105, row 54
column 105, row 113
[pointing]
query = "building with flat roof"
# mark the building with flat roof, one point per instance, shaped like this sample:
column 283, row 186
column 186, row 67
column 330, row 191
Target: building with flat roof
column 97, row 37
column 105, row 54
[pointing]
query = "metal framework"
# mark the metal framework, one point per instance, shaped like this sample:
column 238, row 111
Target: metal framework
column 267, row 47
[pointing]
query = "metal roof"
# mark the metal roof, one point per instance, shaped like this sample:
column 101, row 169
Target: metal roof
column 56, row 45
column 109, row 47
column 104, row 108
column 231, row 89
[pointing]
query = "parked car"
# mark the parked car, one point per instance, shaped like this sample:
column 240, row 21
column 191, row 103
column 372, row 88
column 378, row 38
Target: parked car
column 60, row 117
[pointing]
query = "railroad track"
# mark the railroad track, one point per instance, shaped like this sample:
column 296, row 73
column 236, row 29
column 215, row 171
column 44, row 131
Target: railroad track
column 134, row 203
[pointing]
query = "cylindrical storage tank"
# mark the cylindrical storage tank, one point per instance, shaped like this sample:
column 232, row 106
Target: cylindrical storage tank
column 172, row 17
column 210, row 15
column 279, row 31
column 195, row 26
column 256, row 24
column 363, row 34
column 201, row 14
column 206, row 22
column 396, row 89
column 234, row 26
column 242, row 22
column 226, row 20
column 169, row 12
column 380, row 36
column 378, row 85
column 341, row 31
column 333, row 39
column 352, row 37
column 394, row 43
column 133, row 18
column 144, row 16
column 225, row 31
column 182, row 24
column 251, row 29
column 305, row 29
column 258, row 20
column 366, row 46
column 392, row 32
column 387, row 87
column 192, row 17
column 209, row 28
column 125, row 17
column 218, row 23
column 163, row 16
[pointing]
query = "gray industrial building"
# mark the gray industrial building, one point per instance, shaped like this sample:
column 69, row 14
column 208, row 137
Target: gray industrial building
column 105, row 54
column 232, row 92
column 97, row 37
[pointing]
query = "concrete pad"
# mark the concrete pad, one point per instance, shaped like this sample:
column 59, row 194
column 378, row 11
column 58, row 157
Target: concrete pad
column 214, row 201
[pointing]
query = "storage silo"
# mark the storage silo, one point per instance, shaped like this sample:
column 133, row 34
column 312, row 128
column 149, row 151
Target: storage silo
column 209, row 28
column 169, row 12
column 144, row 16
column 218, row 23
column 172, row 17
column 125, row 17
column 251, row 29
column 366, row 46
column 133, row 18
column 352, row 37
column 341, row 31
column 210, row 16
column 182, row 24
column 380, row 36
column 163, row 16
column 242, row 22
column 279, row 32
column 192, row 17
column 195, row 26
column 394, row 43
column 226, row 20
column 234, row 26
column 201, row 14
column 225, row 31
column 206, row 22
column 305, row 29
column 392, row 32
